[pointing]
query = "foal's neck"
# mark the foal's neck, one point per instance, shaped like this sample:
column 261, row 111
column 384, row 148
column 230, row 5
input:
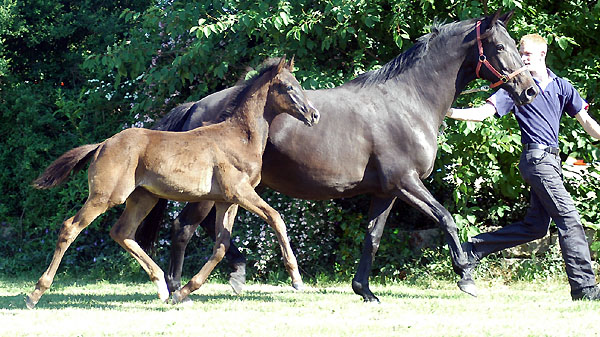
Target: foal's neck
column 250, row 117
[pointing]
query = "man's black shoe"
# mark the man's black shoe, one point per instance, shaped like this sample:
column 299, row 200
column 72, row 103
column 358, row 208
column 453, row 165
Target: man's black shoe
column 588, row 293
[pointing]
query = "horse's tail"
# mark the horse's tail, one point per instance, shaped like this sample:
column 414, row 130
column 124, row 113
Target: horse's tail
column 58, row 171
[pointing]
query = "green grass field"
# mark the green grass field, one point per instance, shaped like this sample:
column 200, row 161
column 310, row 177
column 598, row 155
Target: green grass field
column 106, row 308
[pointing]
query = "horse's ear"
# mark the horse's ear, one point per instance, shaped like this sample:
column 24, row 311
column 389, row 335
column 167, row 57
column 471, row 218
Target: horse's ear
column 291, row 64
column 506, row 17
column 496, row 17
column 281, row 64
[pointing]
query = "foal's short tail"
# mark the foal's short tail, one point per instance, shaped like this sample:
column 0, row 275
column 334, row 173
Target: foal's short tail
column 58, row 171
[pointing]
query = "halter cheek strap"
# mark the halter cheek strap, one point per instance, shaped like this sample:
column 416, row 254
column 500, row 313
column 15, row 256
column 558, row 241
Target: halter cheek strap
column 483, row 60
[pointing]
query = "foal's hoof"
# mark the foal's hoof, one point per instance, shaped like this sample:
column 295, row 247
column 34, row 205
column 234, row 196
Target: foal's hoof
column 176, row 298
column 30, row 303
column 468, row 286
column 299, row 286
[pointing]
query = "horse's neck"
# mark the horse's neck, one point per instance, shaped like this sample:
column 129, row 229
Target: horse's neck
column 439, row 76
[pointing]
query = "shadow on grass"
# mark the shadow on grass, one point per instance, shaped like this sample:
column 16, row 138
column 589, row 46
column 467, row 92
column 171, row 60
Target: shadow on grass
column 53, row 301
column 383, row 294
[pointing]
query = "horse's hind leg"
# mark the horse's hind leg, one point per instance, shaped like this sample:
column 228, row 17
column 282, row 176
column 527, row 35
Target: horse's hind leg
column 415, row 193
column 138, row 205
column 378, row 213
column 183, row 228
column 69, row 231
column 224, row 222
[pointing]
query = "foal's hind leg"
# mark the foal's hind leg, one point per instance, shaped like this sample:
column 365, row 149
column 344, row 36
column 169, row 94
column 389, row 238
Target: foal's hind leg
column 138, row 205
column 69, row 231
column 225, row 216
column 414, row 192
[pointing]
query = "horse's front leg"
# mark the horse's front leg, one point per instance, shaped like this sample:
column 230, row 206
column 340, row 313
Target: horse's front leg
column 224, row 222
column 415, row 193
column 137, row 207
column 378, row 213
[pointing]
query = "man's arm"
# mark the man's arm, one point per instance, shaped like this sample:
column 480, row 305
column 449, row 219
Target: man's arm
column 473, row 114
column 589, row 124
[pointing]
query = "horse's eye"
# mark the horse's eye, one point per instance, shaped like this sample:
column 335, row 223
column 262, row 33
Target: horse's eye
column 500, row 47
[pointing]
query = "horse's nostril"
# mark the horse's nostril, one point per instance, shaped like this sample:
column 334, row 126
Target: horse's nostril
column 531, row 92
column 316, row 116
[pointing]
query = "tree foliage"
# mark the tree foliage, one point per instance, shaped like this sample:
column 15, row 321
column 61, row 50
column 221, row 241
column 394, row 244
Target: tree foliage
column 75, row 72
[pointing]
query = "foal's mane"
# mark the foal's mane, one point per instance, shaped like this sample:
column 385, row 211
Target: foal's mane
column 409, row 58
column 242, row 88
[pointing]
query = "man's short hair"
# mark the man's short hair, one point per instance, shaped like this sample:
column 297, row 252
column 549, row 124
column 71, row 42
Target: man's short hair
column 534, row 39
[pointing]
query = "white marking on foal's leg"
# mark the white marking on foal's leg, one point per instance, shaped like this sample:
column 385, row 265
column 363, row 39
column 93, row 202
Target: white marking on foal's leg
column 163, row 290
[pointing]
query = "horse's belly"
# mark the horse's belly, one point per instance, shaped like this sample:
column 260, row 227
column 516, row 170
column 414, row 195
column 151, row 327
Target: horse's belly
column 318, row 183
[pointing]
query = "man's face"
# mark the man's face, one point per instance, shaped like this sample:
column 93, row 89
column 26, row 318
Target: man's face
column 533, row 55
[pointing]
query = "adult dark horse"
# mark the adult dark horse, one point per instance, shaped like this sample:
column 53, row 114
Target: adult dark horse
column 377, row 135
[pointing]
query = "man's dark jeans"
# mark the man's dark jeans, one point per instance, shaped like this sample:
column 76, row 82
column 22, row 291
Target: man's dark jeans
column 549, row 200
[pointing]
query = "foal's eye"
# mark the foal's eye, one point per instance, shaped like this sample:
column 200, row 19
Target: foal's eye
column 500, row 47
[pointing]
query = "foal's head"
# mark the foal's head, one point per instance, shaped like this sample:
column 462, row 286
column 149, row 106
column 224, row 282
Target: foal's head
column 286, row 95
column 499, row 60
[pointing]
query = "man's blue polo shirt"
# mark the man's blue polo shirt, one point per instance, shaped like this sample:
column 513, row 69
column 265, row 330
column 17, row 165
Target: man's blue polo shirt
column 539, row 120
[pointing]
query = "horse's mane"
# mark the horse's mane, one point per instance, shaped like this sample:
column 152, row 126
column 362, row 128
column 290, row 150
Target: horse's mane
column 409, row 58
column 175, row 118
column 243, row 87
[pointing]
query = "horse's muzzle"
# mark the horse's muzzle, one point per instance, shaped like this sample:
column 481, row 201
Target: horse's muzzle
column 527, row 95
column 315, row 116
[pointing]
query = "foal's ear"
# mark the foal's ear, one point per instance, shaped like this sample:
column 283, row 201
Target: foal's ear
column 281, row 64
column 291, row 64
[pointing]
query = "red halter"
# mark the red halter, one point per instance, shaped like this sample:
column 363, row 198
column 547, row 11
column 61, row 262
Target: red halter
column 483, row 60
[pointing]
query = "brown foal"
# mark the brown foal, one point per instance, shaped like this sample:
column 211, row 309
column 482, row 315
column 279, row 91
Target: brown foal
column 220, row 162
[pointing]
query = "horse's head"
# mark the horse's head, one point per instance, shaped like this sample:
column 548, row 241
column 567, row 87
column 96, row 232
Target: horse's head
column 288, row 97
column 498, row 59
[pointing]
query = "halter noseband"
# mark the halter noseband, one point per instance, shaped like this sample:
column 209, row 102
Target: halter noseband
column 483, row 60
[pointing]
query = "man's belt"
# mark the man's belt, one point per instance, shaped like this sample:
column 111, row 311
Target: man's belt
column 549, row 149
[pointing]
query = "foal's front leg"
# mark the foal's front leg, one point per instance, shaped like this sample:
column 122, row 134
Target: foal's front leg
column 224, row 223
column 138, row 205
column 251, row 201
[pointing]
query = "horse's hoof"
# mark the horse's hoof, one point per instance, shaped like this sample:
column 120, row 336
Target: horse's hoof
column 30, row 303
column 468, row 286
column 237, row 283
column 371, row 299
column 299, row 286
